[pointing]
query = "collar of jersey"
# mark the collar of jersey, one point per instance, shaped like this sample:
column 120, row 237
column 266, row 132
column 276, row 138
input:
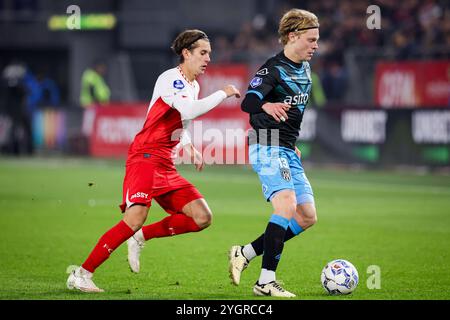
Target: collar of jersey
column 289, row 61
column 184, row 76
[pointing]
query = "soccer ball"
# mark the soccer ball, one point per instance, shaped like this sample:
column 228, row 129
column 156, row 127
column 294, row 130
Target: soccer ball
column 339, row 277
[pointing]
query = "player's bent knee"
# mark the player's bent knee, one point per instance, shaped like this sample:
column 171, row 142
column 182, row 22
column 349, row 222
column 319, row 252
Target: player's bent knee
column 286, row 209
column 307, row 212
column 135, row 216
column 204, row 219
column 311, row 219
column 134, row 224
column 285, row 203
column 290, row 211
column 199, row 211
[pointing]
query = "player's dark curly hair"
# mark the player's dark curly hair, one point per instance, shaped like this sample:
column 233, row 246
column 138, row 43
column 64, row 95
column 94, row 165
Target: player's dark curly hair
column 187, row 39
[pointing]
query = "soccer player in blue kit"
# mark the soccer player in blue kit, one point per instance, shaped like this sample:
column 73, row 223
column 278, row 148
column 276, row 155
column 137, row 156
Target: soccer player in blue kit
column 276, row 101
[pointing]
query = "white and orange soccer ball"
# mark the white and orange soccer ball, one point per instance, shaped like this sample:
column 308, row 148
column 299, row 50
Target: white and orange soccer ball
column 339, row 277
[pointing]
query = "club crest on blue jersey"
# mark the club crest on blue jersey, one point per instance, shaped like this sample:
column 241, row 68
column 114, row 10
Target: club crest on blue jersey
column 178, row 84
column 256, row 81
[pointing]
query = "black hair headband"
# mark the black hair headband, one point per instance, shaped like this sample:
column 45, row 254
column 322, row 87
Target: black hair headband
column 307, row 28
column 198, row 37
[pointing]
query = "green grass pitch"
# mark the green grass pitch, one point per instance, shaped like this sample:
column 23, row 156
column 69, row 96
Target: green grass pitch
column 51, row 217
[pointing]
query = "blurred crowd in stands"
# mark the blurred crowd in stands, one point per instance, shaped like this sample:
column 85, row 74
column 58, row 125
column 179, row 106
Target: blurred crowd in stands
column 24, row 91
column 410, row 29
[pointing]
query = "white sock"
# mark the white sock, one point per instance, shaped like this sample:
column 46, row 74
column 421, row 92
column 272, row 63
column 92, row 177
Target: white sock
column 266, row 276
column 139, row 235
column 249, row 252
column 85, row 272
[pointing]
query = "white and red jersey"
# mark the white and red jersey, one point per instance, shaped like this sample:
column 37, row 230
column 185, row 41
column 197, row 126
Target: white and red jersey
column 174, row 103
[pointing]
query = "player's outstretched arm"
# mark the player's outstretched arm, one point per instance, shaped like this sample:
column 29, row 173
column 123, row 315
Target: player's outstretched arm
column 231, row 90
column 191, row 109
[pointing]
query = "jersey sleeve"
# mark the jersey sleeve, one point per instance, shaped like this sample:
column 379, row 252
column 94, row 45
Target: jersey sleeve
column 263, row 82
column 174, row 92
column 172, row 88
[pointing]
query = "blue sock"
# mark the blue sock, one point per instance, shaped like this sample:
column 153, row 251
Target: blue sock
column 295, row 227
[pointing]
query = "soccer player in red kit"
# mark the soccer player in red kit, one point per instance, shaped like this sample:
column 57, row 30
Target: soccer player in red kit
column 150, row 171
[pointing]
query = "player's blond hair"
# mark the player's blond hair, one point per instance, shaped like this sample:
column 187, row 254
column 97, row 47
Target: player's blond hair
column 187, row 39
column 296, row 20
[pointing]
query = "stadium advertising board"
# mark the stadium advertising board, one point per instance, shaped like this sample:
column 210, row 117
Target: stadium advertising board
column 49, row 129
column 431, row 127
column 412, row 84
column 378, row 137
column 346, row 135
column 114, row 127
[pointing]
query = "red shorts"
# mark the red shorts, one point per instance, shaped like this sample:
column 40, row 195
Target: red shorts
column 147, row 180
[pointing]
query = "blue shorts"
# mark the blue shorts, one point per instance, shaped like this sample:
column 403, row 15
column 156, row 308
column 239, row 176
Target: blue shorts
column 280, row 168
